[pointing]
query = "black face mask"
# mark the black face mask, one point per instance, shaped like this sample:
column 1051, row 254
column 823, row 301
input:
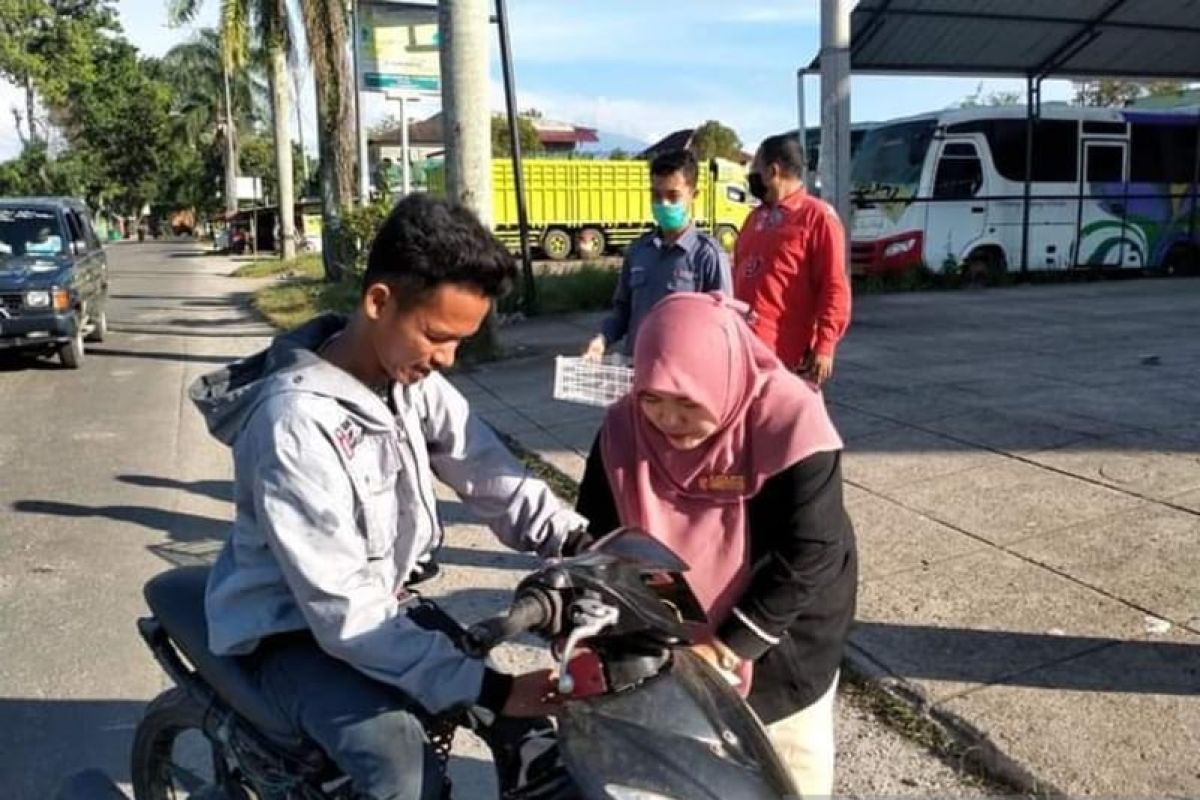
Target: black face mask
column 757, row 187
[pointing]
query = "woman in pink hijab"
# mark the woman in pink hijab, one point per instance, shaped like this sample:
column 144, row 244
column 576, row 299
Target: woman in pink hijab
column 731, row 461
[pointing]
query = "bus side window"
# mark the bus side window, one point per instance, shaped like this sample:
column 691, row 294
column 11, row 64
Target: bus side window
column 959, row 173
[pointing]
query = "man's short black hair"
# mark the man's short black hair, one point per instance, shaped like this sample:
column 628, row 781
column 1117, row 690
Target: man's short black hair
column 426, row 242
column 672, row 161
column 784, row 151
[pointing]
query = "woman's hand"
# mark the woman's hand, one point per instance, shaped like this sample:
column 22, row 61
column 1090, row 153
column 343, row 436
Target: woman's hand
column 715, row 652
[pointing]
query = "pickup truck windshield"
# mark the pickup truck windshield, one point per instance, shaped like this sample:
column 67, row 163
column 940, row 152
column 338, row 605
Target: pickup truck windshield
column 30, row 231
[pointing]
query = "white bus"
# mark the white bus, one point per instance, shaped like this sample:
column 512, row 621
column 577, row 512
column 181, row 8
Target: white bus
column 1110, row 188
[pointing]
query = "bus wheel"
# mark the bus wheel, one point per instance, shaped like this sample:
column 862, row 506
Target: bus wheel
column 591, row 243
column 984, row 267
column 557, row 244
column 726, row 236
column 1182, row 260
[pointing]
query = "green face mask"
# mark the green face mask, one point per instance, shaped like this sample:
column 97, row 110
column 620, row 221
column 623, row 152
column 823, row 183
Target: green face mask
column 670, row 216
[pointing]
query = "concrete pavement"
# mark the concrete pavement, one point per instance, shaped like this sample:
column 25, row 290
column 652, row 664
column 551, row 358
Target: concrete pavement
column 1024, row 475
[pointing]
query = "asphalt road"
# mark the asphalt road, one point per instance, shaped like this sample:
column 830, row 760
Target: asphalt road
column 106, row 477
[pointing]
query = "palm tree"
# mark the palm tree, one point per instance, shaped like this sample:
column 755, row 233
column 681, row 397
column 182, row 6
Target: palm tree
column 243, row 21
column 328, row 32
column 195, row 74
column 211, row 106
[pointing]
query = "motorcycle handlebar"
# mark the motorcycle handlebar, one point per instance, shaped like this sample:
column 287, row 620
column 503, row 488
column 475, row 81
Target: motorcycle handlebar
column 528, row 612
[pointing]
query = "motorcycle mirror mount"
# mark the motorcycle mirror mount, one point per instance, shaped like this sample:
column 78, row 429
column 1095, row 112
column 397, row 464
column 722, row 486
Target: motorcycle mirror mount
column 591, row 617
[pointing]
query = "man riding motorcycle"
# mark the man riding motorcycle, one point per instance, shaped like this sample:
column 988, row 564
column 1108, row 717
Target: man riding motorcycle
column 338, row 431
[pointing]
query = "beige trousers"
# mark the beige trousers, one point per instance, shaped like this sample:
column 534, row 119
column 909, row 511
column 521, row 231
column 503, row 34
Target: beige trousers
column 805, row 743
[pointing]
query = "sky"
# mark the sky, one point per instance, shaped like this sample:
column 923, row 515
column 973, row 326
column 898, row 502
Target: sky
column 635, row 68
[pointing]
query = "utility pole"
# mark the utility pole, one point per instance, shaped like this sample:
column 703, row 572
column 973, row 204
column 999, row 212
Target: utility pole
column 514, row 136
column 835, row 107
column 463, row 27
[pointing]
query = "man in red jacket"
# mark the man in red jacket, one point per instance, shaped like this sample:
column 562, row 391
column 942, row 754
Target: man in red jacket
column 790, row 263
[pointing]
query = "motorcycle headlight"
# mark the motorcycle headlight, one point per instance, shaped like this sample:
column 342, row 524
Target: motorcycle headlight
column 37, row 299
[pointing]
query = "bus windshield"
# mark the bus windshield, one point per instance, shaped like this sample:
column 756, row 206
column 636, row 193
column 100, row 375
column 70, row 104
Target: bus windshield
column 892, row 155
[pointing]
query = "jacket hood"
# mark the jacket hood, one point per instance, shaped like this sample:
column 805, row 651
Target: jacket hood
column 228, row 397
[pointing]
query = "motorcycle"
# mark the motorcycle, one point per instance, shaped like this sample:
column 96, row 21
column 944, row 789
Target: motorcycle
column 642, row 719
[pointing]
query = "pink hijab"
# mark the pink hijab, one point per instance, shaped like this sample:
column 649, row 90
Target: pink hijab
column 694, row 501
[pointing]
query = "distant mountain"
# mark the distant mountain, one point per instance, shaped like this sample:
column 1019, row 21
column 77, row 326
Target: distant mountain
column 614, row 141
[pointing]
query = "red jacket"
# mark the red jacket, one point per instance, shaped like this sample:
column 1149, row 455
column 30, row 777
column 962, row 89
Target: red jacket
column 790, row 266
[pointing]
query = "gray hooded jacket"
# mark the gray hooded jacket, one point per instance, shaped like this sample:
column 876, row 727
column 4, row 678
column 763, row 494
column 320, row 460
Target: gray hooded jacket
column 335, row 504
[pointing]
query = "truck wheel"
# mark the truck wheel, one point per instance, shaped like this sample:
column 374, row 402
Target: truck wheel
column 557, row 244
column 727, row 236
column 591, row 243
column 71, row 353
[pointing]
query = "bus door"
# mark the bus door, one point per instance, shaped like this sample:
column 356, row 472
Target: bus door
column 1103, row 231
column 958, row 208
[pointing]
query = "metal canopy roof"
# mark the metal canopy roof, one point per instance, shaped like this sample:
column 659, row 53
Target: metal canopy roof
column 1027, row 38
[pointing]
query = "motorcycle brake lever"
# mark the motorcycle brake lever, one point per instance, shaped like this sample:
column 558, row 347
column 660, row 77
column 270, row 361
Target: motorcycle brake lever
column 591, row 618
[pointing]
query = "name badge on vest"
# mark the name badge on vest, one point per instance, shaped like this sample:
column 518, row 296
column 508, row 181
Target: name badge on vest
column 723, row 483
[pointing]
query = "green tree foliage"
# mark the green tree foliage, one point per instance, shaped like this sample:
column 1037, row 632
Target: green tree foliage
column 978, row 99
column 46, row 46
column 526, row 132
column 111, row 113
column 1109, row 93
column 121, row 118
column 714, row 140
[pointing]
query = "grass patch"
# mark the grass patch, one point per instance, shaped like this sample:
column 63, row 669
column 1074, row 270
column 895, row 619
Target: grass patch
column 304, row 266
column 304, row 293
column 560, row 482
column 588, row 287
column 289, row 304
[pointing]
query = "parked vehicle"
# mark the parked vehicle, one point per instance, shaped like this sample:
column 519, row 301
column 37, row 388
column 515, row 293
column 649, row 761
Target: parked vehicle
column 53, row 277
column 643, row 719
column 234, row 239
column 584, row 207
column 1108, row 188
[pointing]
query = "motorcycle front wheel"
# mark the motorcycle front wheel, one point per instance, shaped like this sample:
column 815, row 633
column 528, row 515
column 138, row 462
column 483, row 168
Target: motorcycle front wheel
column 173, row 759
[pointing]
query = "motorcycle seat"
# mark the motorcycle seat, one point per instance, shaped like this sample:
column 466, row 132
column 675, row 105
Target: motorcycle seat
column 176, row 598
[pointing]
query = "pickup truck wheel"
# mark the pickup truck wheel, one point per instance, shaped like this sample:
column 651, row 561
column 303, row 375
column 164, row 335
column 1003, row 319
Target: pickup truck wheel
column 71, row 353
column 557, row 244
column 99, row 328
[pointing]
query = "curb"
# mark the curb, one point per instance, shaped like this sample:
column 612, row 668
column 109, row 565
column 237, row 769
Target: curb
column 951, row 738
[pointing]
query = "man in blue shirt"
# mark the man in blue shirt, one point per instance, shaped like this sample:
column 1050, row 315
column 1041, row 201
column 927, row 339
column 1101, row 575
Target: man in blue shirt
column 674, row 257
